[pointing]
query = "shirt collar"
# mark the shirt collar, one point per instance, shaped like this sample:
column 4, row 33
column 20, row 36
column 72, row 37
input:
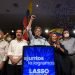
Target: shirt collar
column 1, row 40
column 36, row 37
column 18, row 41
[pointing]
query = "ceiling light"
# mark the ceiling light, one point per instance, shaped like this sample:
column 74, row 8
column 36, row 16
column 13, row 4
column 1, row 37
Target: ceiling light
column 12, row 31
column 46, row 30
column 74, row 31
column 37, row 5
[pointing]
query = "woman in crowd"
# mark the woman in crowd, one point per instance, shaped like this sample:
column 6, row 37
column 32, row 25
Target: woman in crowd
column 60, row 55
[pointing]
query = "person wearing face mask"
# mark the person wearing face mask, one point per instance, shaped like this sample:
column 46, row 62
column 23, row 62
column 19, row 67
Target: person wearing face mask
column 37, row 39
column 61, row 59
column 8, row 37
column 3, row 52
column 69, row 44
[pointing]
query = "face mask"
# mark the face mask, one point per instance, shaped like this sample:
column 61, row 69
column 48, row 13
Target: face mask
column 8, row 39
column 66, row 35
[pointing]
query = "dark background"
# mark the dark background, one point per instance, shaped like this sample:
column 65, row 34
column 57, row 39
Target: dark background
column 50, row 13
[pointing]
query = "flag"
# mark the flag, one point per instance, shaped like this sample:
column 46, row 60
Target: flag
column 26, row 19
column 30, row 6
column 58, row 31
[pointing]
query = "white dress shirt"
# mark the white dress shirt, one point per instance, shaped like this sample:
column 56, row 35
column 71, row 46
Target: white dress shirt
column 16, row 49
column 36, row 41
column 3, row 50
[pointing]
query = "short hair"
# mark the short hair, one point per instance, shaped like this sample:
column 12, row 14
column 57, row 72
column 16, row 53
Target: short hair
column 38, row 27
column 19, row 29
column 65, row 30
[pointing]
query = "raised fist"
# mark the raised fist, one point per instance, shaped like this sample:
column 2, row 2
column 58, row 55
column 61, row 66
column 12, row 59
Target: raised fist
column 33, row 17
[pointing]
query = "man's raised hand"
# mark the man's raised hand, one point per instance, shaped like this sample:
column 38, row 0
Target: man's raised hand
column 33, row 17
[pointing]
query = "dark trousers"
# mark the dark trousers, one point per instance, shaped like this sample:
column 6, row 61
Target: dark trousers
column 63, row 65
column 1, row 72
column 14, row 70
column 73, row 64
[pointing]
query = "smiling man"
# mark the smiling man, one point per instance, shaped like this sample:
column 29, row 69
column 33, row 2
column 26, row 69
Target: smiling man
column 15, row 54
column 37, row 39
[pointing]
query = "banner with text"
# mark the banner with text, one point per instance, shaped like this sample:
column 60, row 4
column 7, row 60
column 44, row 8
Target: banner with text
column 38, row 60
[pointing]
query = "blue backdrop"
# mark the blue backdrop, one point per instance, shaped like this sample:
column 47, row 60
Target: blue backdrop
column 38, row 60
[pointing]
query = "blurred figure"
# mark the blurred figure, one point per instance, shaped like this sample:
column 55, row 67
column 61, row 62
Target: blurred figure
column 60, row 55
column 69, row 44
column 37, row 39
column 15, row 54
column 3, row 52
column 8, row 37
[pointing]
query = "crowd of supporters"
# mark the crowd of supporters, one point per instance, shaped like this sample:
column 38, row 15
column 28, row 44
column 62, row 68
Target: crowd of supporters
column 11, row 50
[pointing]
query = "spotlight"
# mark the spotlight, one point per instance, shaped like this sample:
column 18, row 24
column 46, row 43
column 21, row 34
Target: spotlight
column 74, row 31
column 46, row 30
column 37, row 5
column 12, row 31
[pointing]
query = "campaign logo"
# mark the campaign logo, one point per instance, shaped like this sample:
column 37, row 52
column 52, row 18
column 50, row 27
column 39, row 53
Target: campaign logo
column 38, row 60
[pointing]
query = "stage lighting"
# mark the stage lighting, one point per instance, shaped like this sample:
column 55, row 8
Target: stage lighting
column 37, row 5
column 12, row 31
column 46, row 30
column 74, row 31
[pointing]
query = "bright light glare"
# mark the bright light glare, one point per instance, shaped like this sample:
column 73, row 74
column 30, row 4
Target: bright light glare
column 74, row 31
column 46, row 30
